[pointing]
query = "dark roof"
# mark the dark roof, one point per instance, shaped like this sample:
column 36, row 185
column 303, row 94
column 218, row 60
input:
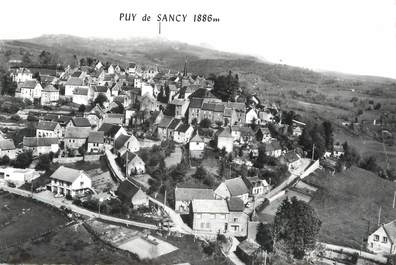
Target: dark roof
column 100, row 89
column 249, row 247
column 127, row 190
column 96, row 137
column 174, row 123
column 30, row 84
column 74, row 81
column 77, row 132
column 47, row 125
column 235, row 205
column 76, row 74
column 80, row 91
column 109, row 129
column 39, row 141
column 121, row 140
column 291, row 157
column 64, row 119
column 236, row 186
column 165, row 121
column 183, row 127
column 81, row 122
column 202, row 93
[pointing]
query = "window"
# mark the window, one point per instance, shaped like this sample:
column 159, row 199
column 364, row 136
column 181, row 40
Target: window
column 212, row 216
column 81, row 183
column 376, row 237
column 202, row 225
column 208, row 225
column 198, row 215
column 384, row 239
column 235, row 220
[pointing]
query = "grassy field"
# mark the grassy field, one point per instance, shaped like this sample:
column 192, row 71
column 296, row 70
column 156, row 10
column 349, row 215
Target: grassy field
column 348, row 204
column 22, row 219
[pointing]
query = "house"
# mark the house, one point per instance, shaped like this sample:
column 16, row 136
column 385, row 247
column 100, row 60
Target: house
column 48, row 129
column 114, row 118
column 197, row 147
column 225, row 140
column 76, row 137
column 104, row 90
column 126, row 142
column 186, row 193
column 69, row 181
column 292, row 160
column 172, row 127
column 382, row 240
column 131, row 68
column 7, row 148
column 128, row 192
column 95, row 142
column 242, row 134
column 338, row 150
column 183, row 133
column 180, row 106
column 79, row 122
column 148, row 102
column 162, row 128
column 72, row 83
column 297, row 127
column 40, row 146
column 194, row 110
column 22, row 74
column 209, row 216
column 81, row 96
column 247, row 251
column 263, row 135
column 251, row 116
column 256, row 186
column 18, row 176
column 235, row 187
column 111, row 131
column 135, row 165
column 30, row 89
column 273, row 149
column 237, row 219
column 49, row 96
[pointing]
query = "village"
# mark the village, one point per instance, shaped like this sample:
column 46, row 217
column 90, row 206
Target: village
column 166, row 150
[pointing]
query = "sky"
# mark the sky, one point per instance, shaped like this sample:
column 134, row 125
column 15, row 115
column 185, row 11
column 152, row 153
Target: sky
column 351, row 36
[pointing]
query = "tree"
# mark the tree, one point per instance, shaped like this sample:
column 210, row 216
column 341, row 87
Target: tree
column 351, row 156
column 296, row 227
column 328, row 135
column 36, row 76
column 44, row 162
column 23, row 160
column 205, row 123
column 8, row 85
column 370, row 163
column 5, row 160
column 264, row 237
column 100, row 99
column 26, row 59
column 200, row 173
column 81, row 108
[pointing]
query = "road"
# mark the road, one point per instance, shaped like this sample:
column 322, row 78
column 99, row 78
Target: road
column 59, row 202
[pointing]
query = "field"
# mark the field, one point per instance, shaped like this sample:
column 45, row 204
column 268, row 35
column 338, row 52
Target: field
column 348, row 204
column 22, row 219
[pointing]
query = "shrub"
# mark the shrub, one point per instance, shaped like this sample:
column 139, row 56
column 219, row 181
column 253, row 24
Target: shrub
column 15, row 117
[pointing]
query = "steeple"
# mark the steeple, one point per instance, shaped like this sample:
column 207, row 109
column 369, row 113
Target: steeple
column 185, row 67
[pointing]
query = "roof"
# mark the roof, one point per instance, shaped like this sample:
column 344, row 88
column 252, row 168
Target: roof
column 100, row 89
column 80, row 91
column 74, row 81
column 225, row 133
column 109, row 129
column 202, row 93
column 120, row 141
column 7, row 144
column 209, row 206
column 235, row 205
column 193, row 193
column 165, row 121
column 236, row 186
column 76, row 132
column 196, row 138
column 183, row 127
column 249, row 246
column 96, row 137
column 30, row 84
column 196, row 103
column 390, row 229
column 127, row 190
column 291, row 156
column 46, row 125
column 39, row 141
column 66, row 174
column 50, row 88
column 81, row 122
column 174, row 123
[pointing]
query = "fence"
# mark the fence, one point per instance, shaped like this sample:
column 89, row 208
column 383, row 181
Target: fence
column 67, row 160
column 94, row 157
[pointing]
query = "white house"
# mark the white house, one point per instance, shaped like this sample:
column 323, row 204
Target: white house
column 18, row 176
column 183, row 133
column 125, row 142
column 69, row 181
column 22, row 74
column 39, row 145
column 31, row 89
column 73, row 83
column 383, row 239
column 209, row 216
column 95, row 142
column 48, row 129
column 135, row 164
column 225, row 140
column 81, row 96
column 49, row 96
column 251, row 116
column 197, row 147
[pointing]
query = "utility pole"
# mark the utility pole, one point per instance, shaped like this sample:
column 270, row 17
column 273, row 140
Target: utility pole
column 394, row 200
column 165, row 198
column 313, row 151
column 379, row 216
